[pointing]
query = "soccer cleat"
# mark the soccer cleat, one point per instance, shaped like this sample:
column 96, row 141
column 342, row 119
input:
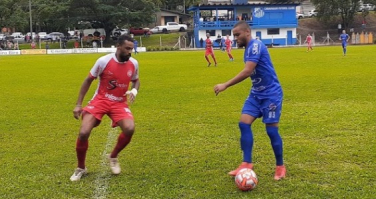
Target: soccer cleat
column 78, row 173
column 280, row 172
column 241, row 166
column 115, row 166
column 215, row 64
column 209, row 64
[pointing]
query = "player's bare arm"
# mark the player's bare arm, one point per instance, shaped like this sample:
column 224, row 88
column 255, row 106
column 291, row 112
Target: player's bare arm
column 245, row 73
column 84, row 88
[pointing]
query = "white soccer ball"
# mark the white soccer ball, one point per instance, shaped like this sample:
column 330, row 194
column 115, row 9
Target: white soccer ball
column 246, row 179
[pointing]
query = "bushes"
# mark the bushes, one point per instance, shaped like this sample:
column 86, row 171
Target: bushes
column 161, row 48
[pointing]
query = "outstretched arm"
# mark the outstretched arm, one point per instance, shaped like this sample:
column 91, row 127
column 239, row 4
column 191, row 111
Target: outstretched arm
column 246, row 72
column 84, row 88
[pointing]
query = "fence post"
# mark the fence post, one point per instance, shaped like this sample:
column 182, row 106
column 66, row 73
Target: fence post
column 160, row 41
column 140, row 41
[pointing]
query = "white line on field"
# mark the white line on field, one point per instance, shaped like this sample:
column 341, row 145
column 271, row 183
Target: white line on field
column 101, row 182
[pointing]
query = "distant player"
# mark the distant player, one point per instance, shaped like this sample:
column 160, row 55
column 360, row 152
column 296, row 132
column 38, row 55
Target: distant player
column 135, row 46
column 209, row 50
column 228, row 44
column 345, row 39
column 309, row 42
column 264, row 100
column 116, row 71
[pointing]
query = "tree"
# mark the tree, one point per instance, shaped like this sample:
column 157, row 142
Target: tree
column 112, row 13
column 328, row 9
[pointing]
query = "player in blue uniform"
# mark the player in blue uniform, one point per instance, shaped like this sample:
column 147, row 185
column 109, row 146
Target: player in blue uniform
column 264, row 100
column 344, row 38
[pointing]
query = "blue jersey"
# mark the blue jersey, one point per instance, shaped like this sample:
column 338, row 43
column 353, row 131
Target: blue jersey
column 344, row 37
column 265, row 83
column 135, row 43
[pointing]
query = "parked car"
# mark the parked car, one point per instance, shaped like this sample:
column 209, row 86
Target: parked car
column 54, row 36
column 156, row 29
column 17, row 35
column 33, row 35
column 119, row 31
column 173, row 26
column 366, row 6
column 2, row 37
column 299, row 15
column 42, row 35
column 312, row 13
column 139, row 31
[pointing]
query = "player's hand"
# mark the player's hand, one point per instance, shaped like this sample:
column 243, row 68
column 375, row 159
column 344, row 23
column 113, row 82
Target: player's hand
column 77, row 112
column 219, row 88
column 131, row 95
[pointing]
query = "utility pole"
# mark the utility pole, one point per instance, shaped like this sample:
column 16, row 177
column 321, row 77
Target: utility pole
column 31, row 21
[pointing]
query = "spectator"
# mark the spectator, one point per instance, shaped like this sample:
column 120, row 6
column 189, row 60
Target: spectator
column 32, row 45
column 201, row 43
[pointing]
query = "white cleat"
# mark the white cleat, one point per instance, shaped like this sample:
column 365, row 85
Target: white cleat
column 78, row 173
column 115, row 166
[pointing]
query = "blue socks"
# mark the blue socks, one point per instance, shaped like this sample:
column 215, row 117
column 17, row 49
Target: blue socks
column 276, row 142
column 246, row 141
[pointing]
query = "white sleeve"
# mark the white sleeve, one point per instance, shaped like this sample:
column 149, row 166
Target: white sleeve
column 136, row 71
column 98, row 67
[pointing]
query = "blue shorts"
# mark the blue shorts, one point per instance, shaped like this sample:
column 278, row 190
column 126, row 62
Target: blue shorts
column 344, row 45
column 269, row 109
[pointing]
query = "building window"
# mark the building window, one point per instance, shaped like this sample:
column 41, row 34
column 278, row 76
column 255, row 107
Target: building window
column 273, row 31
column 211, row 32
column 226, row 32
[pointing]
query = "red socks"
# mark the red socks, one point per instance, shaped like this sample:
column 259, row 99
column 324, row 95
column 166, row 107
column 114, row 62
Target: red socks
column 123, row 141
column 81, row 148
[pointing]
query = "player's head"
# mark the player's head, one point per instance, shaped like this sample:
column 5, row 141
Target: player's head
column 344, row 31
column 207, row 35
column 242, row 33
column 309, row 34
column 228, row 36
column 125, row 46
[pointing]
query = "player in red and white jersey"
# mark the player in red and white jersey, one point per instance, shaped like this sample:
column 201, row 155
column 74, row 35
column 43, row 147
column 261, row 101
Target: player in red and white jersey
column 115, row 72
column 228, row 44
column 209, row 50
column 309, row 42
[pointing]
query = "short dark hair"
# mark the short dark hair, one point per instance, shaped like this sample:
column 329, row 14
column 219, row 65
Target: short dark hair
column 243, row 24
column 124, row 37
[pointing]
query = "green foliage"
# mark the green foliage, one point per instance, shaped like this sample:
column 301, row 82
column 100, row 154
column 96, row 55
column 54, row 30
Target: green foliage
column 346, row 9
column 186, row 138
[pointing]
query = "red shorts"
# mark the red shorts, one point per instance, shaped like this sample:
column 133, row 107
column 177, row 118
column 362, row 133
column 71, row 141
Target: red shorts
column 115, row 110
column 209, row 52
column 228, row 49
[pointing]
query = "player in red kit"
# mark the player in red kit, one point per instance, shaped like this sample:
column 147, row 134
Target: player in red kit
column 115, row 72
column 309, row 42
column 228, row 44
column 209, row 50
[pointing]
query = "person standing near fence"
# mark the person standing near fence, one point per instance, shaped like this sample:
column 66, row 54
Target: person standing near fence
column 209, row 50
column 228, row 44
column 309, row 43
column 344, row 37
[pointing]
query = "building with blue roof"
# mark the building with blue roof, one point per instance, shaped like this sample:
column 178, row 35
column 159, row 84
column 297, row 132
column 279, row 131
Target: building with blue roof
column 272, row 23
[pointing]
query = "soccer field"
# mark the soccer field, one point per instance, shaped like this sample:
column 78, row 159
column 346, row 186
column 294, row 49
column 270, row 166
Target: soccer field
column 186, row 138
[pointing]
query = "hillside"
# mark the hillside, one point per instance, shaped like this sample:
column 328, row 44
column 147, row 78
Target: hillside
column 312, row 25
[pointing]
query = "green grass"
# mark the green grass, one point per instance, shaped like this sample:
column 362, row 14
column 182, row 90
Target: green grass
column 187, row 139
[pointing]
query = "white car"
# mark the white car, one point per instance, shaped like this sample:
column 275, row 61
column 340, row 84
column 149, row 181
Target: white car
column 299, row 15
column 2, row 37
column 156, row 29
column 119, row 31
column 42, row 35
column 312, row 13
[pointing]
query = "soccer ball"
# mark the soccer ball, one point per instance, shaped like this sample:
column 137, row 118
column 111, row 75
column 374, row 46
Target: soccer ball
column 246, row 179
